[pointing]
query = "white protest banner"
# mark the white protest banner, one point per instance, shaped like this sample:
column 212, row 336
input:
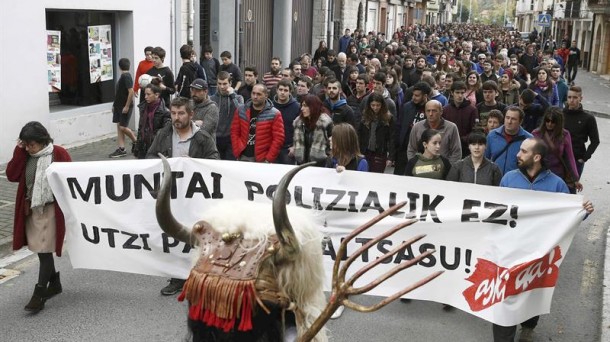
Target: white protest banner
column 500, row 248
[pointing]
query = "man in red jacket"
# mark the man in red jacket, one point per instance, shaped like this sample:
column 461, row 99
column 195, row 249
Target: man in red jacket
column 257, row 130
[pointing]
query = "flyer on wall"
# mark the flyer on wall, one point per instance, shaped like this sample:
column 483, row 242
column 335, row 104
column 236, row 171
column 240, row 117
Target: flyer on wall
column 100, row 53
column 54, row 60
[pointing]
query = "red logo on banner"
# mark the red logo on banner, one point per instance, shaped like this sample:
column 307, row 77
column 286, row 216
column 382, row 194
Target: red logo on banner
column 491, row 283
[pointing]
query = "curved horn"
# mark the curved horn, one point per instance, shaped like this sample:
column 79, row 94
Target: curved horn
column 165, row 218
column 283, row 228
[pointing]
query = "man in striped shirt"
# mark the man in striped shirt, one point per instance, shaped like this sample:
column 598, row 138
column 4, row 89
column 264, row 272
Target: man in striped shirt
column 271, row 78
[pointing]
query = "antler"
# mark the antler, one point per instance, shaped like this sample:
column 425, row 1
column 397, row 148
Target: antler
column 342, row 289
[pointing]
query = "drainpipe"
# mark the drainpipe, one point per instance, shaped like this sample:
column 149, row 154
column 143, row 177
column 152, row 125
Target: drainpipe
column 591, row 43
column 238, row 35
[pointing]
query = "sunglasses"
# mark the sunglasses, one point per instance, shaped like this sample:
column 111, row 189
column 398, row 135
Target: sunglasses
column 549, row 120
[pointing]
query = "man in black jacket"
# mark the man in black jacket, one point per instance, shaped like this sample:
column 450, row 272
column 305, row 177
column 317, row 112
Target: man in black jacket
column 411, row 113
column 582, row 127
column 191, row 142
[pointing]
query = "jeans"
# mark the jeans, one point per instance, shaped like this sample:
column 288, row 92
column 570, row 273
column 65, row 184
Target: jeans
column 580, row 167
column 225, row 149
column 507, row 334
column 571, row 71
column 283, row 157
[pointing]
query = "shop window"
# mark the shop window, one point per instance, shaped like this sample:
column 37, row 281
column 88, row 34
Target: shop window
column 80, row 58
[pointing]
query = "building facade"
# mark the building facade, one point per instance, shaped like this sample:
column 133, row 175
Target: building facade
column 66, row 76
column 72, row 89
column 586, row 22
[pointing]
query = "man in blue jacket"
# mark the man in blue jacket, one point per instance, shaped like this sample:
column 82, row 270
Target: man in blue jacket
column 503, row 143
column 534, row 175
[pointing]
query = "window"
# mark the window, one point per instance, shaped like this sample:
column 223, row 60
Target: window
column 81, row 58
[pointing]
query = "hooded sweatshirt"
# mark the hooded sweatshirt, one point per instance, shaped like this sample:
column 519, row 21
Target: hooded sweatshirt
column 207, row 111
column 340, row 111
column 290, row 111
column 226, row 109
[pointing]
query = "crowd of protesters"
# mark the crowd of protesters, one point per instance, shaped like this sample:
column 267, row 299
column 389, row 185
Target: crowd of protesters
column 450, row 102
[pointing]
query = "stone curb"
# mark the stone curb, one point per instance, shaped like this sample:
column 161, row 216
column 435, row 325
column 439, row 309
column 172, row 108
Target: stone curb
column 605, row 326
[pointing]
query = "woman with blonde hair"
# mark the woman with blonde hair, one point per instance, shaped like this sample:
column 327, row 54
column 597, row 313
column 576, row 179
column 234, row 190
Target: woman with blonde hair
column 345, row 151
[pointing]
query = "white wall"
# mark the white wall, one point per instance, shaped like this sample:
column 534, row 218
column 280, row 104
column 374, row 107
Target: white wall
column 23, row 68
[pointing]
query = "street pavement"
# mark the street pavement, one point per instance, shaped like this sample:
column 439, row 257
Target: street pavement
column 130, row 305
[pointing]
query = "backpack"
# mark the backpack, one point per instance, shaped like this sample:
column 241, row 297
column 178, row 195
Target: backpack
column 186, row 76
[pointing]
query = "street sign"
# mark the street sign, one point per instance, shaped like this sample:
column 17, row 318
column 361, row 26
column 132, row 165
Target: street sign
column 544, row 20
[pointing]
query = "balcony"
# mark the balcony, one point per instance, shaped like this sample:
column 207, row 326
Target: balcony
column 599, row 6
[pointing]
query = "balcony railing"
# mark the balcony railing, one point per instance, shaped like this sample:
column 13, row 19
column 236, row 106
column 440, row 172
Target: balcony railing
column 599, row 2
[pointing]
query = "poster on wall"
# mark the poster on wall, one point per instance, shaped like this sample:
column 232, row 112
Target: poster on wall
column 100, row 53
column 54, row 60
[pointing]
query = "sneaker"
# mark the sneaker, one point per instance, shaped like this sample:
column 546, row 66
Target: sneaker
column 174, row 286
column 527, row 335
column 338, row 312
column 120, row 152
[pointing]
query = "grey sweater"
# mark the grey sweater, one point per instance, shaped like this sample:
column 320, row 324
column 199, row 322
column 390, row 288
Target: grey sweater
column 207, row 111
column 487, row 174
column 226, row 110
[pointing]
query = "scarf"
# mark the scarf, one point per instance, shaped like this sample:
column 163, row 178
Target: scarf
column 41, row 191
column 542, row 85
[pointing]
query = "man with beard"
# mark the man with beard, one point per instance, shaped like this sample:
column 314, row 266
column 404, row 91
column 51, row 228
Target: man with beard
column 340, row 68
column 206, row 111
column 271, row 78
column 290, row 109
column 503, row 143
column 582, row 127
column 532, row 174
column 182, row 139
column 336, row 104
column 407, row 68
column 410, row 114
column 355, row 99
column 257, row 130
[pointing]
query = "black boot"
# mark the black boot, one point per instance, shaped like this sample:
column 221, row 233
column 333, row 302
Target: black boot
column 38, row 298
column 54, row 286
